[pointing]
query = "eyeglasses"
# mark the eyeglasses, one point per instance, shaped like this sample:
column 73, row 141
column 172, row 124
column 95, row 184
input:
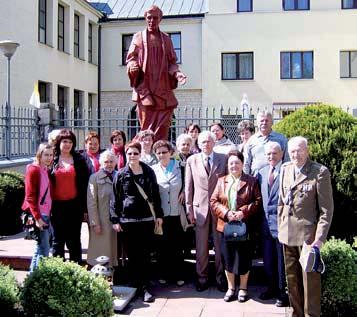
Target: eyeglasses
column 132, row 153
column 164, row 152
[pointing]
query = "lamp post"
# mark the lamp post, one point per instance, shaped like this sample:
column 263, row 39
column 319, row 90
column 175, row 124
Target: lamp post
column 8, row 48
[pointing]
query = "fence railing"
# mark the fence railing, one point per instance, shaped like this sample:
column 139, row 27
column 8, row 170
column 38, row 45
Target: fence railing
column 27, row 130
column 23, row 136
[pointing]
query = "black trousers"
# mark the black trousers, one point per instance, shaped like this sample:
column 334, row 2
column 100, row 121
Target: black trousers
column 171, row 249
column 66, row 221
column 137, row 238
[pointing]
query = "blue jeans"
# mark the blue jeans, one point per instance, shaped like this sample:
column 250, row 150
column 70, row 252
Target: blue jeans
column 43, row 243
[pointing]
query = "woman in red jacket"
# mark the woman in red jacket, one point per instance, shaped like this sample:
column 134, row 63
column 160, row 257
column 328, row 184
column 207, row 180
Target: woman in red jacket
column 38, row 200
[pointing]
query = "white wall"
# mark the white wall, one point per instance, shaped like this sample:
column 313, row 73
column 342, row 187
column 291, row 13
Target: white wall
column 36, row 61
column 326, row 32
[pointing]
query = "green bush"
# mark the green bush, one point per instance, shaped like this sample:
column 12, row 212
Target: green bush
column 11, row 197
column 339, row 282
column 332, row 135
column 9, row 291
column 58, row 288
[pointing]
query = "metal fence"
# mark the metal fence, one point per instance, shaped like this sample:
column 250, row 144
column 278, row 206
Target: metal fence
column 27, row 129
column 22, row 137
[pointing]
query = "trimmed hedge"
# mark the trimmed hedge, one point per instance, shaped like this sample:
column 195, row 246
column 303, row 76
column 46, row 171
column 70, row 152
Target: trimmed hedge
column 12, row 192
column 58, row 288
column 9, row 291
column 339, row 282
column 332, row 135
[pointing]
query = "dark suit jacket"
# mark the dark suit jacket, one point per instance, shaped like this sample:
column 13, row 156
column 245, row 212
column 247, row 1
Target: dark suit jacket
column 270, row 200
column 305, row 204
column 199, row 186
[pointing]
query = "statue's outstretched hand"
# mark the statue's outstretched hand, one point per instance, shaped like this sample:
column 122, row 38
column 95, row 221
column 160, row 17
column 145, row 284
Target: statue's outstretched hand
column 181, row 77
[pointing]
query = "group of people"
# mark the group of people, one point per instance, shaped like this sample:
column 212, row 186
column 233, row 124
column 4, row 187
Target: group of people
column 137, row 188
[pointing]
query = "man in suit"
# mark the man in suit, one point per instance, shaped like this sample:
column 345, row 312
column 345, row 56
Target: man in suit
column 202, row 172
column 254, row 155
column 273, row 256
column 305, row 212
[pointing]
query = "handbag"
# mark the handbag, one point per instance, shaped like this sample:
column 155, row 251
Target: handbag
column 235, row 231
column 158, row 228
column 310, row 259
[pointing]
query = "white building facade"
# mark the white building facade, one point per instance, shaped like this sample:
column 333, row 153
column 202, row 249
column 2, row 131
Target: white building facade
column 282, row 53
column 58, row 49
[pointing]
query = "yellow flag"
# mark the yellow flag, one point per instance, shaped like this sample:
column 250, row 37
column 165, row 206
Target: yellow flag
column 35, row 97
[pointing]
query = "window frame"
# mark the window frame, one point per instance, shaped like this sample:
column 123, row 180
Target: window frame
column 290, row 65
column 124, row 52
column 296, row 6
column 77, row 107
column 76, row 29
column 60, row 25
column 354, row 5
column 251, row 6
column 349, row 64
column 178, row 61
column 44, row 14
column 237, row 65
column 90, row 42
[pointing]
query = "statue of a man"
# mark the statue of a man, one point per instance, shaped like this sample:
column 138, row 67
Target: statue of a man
column 153, row 74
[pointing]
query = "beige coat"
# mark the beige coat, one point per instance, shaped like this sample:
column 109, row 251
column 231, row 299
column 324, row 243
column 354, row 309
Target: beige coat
column 99, row 192
column 305, row 204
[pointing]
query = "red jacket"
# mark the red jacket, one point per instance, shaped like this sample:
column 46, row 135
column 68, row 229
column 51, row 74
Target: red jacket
column 32, row 190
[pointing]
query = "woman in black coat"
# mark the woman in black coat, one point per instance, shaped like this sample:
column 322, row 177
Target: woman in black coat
column 130, row 214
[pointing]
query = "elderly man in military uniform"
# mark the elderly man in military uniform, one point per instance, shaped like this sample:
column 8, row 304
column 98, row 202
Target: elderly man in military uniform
column 305, row 211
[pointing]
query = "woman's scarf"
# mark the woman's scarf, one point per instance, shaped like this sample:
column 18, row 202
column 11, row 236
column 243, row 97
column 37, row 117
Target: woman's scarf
column 94, row 160
column 119, row 152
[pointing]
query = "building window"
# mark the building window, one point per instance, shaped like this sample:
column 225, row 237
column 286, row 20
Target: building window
column 292, row 5
column 42, row 23
column 176, row 42
column 76, row 36
column 126, row 41
column 349, row 4
column 296, row 65
column 60, row 39
column 44, row 90
column 78, row 107
column 348, row 64
column 62, row 104
column 244, row 5
column 237, row 66
column 90, row 43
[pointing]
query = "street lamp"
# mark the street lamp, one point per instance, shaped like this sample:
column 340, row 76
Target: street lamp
column 8, row 48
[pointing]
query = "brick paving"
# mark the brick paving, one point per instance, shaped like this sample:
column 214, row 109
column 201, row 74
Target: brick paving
column 171, row 301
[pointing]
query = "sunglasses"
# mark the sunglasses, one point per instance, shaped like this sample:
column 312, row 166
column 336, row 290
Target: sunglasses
column 132, row 153
column 164, row 152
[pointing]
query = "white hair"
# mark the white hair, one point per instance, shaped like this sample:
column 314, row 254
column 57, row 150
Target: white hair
column 53, row 135
column 107, row 154
column 297, row 140
column 264, row 114
column 205, row 135
column 183, row 137
column 272, row 144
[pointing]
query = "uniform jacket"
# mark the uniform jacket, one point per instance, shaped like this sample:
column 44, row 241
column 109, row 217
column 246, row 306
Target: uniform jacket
column 305, row 204
column 199, row 186
column 138, row 54
column 270, row 200
column 248, row 198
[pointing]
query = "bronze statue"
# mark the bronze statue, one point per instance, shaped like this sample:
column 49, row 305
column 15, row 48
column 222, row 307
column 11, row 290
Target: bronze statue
column 153, row 74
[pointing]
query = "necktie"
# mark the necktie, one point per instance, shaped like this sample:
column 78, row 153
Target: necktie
column 207, row 165
column 271, row 177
